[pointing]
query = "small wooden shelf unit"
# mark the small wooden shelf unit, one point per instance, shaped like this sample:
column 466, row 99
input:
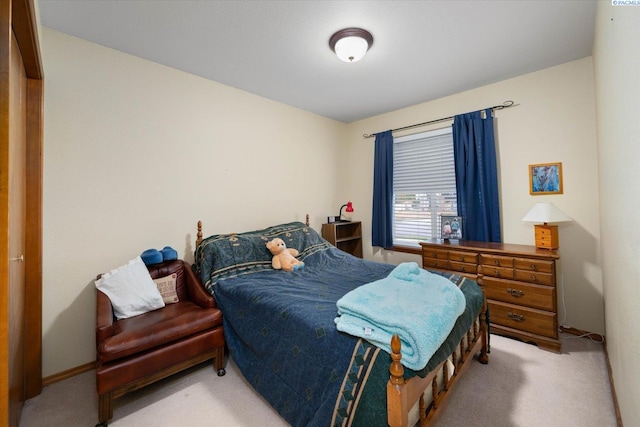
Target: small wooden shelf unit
column 346, row 236
column 519, row 282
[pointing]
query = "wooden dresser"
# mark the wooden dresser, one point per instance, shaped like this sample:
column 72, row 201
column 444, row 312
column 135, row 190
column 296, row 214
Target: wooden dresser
column 519, row 282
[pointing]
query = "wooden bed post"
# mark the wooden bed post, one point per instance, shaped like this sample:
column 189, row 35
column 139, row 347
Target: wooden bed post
column 402, row 394
column 396, row 369
column 199, row 234
column 396, row 400
column 484, row 333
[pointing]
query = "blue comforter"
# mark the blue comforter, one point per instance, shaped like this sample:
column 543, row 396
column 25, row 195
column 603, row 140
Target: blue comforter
column 281, row 333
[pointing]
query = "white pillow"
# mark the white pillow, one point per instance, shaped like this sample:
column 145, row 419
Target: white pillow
column 130, row 289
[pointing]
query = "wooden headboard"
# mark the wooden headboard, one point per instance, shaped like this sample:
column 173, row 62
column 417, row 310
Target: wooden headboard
column 199, row 233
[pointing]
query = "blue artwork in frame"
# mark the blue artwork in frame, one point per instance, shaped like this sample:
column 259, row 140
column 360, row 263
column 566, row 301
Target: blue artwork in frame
column 545, row 178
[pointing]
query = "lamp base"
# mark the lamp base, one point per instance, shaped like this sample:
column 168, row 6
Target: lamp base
column 333, row 219
column 546, row 236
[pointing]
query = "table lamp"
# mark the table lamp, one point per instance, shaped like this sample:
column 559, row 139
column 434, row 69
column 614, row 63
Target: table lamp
column 546, row 236
column 349, row 209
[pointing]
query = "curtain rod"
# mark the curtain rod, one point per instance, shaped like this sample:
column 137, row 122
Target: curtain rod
column 505, row 104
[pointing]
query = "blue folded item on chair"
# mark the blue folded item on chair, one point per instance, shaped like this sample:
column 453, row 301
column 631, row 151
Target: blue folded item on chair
column 151, row 256
column 168, row 253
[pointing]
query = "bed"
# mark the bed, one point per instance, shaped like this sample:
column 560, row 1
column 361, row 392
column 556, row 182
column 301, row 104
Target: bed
column 280, row 331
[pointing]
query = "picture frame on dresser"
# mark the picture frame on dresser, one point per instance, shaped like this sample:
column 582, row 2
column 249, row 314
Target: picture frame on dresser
column 450, row 227
column 545, row 178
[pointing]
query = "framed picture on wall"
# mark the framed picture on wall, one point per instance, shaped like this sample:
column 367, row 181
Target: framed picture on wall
column 545, row 178
column 450, row 227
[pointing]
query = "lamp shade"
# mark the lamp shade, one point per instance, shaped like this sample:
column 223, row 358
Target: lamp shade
column 348, row 207
column 351, row 49
column 545, row 213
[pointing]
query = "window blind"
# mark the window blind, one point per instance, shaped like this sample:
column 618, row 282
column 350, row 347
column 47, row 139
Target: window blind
column 424, row 185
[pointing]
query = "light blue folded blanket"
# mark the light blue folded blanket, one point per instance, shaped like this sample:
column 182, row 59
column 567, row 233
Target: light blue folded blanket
column 419, row 306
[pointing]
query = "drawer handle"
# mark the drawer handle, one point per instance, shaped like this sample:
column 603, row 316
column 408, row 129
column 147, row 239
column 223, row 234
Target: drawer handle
column 515, row 292
column 516, row 317
column 497, row 262
column 533, row 277
column 435, row 263
column 435, row 254
column 462, row 268
column 533, row 267
column 497, row 273
column 461, row 258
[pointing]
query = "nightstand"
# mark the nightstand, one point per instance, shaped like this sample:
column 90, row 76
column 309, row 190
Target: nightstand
column 345, row 235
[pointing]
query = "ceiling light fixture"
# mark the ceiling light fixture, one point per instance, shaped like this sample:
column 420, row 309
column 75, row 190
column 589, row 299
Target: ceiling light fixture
column 351, row 44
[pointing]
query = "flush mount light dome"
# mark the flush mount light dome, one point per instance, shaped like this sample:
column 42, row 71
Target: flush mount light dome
column 351, row 44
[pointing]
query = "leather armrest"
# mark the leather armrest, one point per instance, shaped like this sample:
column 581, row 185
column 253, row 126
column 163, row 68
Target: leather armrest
column 197, row 293
column 104, row 317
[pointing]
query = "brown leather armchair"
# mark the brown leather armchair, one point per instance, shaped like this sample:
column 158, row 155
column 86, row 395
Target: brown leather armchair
column 134, row 352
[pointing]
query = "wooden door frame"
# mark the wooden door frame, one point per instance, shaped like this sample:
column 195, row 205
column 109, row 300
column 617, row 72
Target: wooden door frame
column 34, row 165
column 18, row 16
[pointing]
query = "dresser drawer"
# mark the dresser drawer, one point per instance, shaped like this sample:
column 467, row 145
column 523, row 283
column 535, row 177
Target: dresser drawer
column 545, row 238
column 535, row 277
column 530, row 295
column 435, row 263
column 537, row 265
column 460, row 267
column 496, row 261
column 466, row 257
column 435, row 253
column 525, row 319
column 501, row 272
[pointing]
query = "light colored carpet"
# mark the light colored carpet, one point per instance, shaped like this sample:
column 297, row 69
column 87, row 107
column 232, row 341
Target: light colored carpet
column 521, row 386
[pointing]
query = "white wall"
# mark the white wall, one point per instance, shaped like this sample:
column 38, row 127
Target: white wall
column 617, row 66
column 554, row 122
column 136, row 153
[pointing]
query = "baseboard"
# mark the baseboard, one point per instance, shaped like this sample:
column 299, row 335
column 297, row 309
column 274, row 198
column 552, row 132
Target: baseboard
column 580, row 333
column 613, row 389
column 68, row 373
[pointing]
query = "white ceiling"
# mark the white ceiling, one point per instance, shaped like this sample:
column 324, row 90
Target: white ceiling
column 422, row 50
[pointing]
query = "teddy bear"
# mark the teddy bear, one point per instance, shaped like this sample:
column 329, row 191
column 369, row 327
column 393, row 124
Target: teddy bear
column 283, row 257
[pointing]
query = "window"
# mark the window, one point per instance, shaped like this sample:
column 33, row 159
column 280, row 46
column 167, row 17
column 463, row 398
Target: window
column 424, row 185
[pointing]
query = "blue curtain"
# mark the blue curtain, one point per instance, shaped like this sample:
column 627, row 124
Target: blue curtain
column 381, row 227
column 476, row 176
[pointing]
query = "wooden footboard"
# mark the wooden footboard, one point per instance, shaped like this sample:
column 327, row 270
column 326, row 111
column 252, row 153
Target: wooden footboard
column 403, row 394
